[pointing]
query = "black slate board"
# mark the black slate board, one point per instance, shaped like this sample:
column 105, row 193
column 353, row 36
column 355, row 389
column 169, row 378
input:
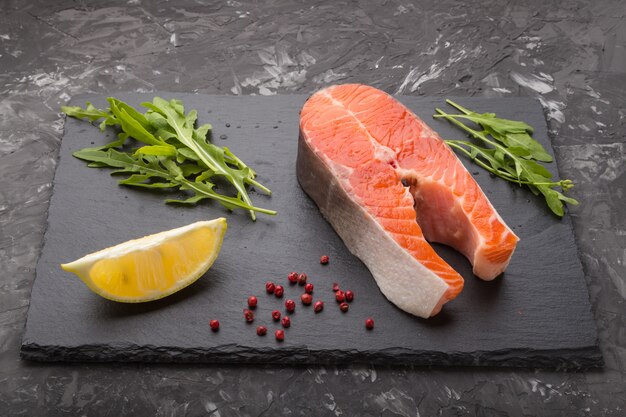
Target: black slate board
column 536, row 315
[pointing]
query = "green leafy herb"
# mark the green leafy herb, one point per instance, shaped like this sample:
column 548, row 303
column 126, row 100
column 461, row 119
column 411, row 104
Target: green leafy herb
column 212, row 156
column 510, row 153
column 90, row 113
column 158, row 172
column 175, row 153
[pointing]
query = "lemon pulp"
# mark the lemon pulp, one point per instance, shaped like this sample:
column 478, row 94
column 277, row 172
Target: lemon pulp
column 154, row 266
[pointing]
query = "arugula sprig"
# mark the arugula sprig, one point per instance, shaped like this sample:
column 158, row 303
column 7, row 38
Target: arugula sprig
column 151, row 171
column 173, row 149
column 510, row 153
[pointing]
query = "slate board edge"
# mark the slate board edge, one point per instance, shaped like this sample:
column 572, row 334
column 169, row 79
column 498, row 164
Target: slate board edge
column 594, row 350
column 586, row 357
column 57, row 160
column 576, row 359
column 567, row 217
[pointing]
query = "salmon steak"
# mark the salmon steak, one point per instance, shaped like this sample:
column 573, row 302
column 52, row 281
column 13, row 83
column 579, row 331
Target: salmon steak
column 389, row 185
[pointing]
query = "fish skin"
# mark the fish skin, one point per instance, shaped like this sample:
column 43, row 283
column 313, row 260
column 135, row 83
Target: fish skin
column 357, row 146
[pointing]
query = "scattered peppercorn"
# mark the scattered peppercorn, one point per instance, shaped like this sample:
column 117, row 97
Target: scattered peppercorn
column 280, row 335
column 306, row 299
column 349, row 296
column 344, row 306
column 248, row 315
column 340, row 296
column 215, row 325
column 276, row 315
column 369, row 323
column 290, row 305
column 269, row 287
column 324, row 259
column 302, row 278
column 261, row 330
column 293, row 277
column 318, row 306
column 309, row 288
column 335, row 287
column 252, row 301
column 279, row 291
column 286, row 322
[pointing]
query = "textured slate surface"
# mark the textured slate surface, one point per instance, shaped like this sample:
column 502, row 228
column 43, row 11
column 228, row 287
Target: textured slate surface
column 536, row 315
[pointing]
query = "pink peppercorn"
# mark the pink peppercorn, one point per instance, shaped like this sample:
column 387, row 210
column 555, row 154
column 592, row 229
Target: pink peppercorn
column 302, row 278
column 309, row 288
column 290, row 305
column 252, row 301
column 324, row 259
column 279, row 291
column 269, row 287
column 318, row 306
column 286, row 322
column 293, row 277
column 215, row 325
column 248, row 315
column 349, row 296
column 276, row 315
column 306, row 299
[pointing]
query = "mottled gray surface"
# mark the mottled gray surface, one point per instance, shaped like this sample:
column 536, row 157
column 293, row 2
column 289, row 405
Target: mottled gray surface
column 524, row 318
column 570, row 55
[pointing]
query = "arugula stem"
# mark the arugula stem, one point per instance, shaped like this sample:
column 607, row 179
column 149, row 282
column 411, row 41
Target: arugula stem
column 230, row 200
column 565, row 184
column 456, row 145
column 250, row 180
column 474, row 133
column 241, row 190
column 258, row 185
column 245, row 197
column 462, row 116
column 458, row 106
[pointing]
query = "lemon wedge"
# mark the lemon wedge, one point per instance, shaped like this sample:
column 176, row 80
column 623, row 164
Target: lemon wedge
column 153, row 266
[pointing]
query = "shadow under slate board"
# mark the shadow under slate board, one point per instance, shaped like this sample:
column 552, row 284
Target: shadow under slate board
column 536, row 315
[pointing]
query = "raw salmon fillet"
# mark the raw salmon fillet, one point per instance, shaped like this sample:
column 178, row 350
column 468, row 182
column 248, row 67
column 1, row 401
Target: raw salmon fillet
column 387, row 183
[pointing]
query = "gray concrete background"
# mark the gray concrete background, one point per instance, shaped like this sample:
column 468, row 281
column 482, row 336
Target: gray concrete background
column 570, row 55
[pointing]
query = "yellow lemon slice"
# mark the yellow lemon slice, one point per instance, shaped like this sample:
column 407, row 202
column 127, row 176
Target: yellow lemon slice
column 154, row 266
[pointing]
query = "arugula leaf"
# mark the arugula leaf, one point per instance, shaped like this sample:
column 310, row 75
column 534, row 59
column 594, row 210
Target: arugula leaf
column 511, row 154
column 485, row 158
column 140, row 118
column 145, row 169
column 173, row 145
column 158, row 150
column 212, row 156
column 525, row 141
column 133, row 127
column 511, row 133
column 92, row 114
